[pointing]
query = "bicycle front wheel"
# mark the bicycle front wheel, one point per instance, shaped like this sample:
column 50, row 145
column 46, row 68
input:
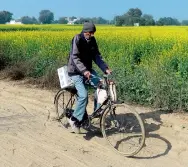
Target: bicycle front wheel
column 124, row 129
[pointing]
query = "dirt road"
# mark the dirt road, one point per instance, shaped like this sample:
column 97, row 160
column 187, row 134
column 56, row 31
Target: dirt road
column 28, row 137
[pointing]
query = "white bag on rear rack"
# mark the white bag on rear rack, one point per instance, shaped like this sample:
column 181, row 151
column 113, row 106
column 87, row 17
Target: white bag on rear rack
column 64, row 79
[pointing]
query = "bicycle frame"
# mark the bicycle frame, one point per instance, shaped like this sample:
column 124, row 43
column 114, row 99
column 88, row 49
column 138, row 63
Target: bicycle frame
column 107, row 103
column 99, row 111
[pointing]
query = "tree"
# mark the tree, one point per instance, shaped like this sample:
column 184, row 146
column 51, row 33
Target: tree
column 185, row 22
column 160, row 22
column 99, row 20
column 5, row 17
column 112, row 22
column 142, row 22
column 176, row 22
column 127, row 19
column 167, row 21
column 35, row 21
column 46, row 17
column 134, row 12
column 55, row 22
column 72, row 18
column 132, row 16
column 119, row 20
column 62, row 20
column 80, row 21
column 28, row 20
column 148, row 20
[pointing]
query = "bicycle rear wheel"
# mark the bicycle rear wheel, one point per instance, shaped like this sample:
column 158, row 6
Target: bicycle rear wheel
column 64, row 103
column 124, row 129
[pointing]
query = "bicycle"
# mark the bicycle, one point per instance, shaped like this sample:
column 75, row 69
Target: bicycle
column 114, row 121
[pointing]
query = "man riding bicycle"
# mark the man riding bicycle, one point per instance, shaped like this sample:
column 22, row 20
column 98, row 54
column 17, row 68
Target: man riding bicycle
column 84, row 50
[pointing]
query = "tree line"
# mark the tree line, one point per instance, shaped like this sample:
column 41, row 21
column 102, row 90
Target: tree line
column 131, row 17
column 135, row 15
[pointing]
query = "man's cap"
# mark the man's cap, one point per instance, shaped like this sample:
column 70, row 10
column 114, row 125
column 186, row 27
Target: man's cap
column 89, row 27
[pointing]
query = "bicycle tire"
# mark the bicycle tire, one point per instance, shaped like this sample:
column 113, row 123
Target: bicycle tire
column 64, row 102
column 129, row 130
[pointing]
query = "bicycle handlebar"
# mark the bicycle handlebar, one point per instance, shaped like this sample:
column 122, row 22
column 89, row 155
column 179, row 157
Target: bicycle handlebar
column 105, row 76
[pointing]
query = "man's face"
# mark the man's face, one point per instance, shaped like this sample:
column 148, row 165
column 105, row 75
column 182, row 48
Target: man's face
column 88, row 35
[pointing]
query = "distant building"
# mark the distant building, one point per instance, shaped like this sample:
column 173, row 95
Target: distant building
column 136, row 24
column 14, row 22
column 72, row 21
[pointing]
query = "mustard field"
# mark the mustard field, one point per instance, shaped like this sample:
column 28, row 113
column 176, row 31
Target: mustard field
column 150, row 64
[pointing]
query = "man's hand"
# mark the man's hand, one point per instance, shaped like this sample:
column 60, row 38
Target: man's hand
column 108, row 71
column 87, row 74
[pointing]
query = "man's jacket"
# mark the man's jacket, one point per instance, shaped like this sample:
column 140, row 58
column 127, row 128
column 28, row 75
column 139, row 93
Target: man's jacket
column 83, row 52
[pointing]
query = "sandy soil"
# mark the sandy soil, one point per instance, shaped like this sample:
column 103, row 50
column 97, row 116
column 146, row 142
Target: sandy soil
column 29, row 138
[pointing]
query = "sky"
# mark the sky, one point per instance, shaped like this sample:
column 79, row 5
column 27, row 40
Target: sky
column 107, row 9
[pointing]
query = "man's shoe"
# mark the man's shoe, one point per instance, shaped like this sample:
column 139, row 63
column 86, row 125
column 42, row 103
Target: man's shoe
column 74, row 125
